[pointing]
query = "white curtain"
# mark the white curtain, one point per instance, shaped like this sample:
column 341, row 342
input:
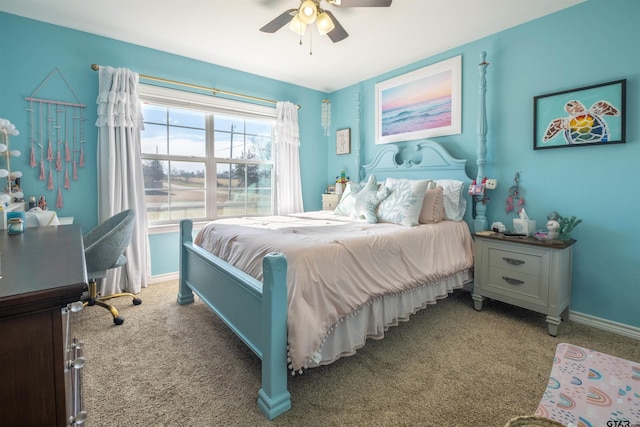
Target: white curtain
column 119, row 168
column 286, row 156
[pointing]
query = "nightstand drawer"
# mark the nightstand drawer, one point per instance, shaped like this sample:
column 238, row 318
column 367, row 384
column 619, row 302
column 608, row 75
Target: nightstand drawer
column 516, row 261
column 330, row 201
column 518, row 285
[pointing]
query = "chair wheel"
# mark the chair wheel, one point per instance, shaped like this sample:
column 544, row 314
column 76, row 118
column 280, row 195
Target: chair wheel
column 137, row 301
column 118, row 320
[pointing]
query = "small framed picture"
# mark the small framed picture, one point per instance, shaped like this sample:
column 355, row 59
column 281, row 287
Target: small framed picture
column 343, row 141
column 331, row 189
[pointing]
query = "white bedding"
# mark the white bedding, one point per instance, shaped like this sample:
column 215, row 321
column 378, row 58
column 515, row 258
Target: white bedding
column 338, row 268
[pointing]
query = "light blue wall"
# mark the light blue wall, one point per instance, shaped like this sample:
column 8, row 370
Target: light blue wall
column 589, row 43
column 593, row 42
column 37, row 48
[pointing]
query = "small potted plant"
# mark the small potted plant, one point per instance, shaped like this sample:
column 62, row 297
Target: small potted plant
column 561, row 225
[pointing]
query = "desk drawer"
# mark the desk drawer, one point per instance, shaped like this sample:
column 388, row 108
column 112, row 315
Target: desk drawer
column 517, row 262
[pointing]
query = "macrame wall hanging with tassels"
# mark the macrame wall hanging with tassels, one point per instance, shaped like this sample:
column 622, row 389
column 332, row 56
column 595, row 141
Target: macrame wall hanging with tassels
column 57, row 137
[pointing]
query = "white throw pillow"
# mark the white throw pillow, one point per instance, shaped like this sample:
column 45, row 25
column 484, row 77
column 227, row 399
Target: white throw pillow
column 404, row 202
column 455, row 204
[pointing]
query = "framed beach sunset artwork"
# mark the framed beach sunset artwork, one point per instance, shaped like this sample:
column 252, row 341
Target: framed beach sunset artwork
column 423, row 103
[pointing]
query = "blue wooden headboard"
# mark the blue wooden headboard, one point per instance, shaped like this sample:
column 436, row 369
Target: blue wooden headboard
column 431, row 161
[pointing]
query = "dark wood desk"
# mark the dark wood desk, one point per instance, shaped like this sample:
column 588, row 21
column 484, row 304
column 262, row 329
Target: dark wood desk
column 43, row 270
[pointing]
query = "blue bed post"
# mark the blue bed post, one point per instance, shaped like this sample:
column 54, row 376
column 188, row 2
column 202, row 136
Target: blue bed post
column 480, row 221
column 185, row 294
column 273, row 397
column 357, row 142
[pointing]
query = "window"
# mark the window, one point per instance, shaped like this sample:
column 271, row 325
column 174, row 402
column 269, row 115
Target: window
column 205, row 157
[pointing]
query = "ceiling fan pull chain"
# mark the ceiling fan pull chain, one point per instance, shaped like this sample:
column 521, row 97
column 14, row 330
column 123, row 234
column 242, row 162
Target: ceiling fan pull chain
column 310, row 43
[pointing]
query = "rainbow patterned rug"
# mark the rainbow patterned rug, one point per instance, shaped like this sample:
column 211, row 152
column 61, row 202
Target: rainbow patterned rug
column 589, row 389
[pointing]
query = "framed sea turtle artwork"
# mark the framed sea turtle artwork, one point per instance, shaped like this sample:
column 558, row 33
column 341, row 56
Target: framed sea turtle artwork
column 589, row 115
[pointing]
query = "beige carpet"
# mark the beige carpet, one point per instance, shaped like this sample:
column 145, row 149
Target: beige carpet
column 171, row 365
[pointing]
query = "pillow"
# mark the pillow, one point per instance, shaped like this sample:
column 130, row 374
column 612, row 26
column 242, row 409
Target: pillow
column 347, row 201
column 404, row 203
column 433, row 206
column 367, row 203
column 455, row 204
column 361, row 197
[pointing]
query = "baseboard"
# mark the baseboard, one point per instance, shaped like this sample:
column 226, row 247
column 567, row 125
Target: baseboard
column 585, row 319
column 606, row 325
column 160, row 278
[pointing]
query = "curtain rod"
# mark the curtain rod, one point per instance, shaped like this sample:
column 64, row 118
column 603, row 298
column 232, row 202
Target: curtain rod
column 96, row 67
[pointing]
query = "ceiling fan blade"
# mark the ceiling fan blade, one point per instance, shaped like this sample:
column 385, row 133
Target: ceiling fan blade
column 361, row 3
column 279, row 22
column 338, row 33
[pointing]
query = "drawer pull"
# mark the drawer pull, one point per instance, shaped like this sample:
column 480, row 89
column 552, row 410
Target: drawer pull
column 512, row 281
column 513, row 261
column 77, row 363
column 79, row 419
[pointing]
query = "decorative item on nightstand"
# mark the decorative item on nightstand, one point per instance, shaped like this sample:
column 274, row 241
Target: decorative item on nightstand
column 524, row 225
column 12, row 191
column 563, row 226
column 341, row 182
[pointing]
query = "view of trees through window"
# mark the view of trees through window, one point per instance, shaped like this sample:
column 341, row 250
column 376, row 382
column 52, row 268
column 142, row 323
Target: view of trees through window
column 203, row 165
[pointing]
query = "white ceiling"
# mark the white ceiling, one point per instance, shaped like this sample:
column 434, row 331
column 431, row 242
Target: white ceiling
column 226, row 32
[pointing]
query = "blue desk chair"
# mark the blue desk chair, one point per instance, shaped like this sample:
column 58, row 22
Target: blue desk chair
column 104, row 247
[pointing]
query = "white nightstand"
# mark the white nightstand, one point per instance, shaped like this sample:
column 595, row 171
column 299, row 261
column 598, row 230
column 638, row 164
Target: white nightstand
column 330, row 201
column 525, row 272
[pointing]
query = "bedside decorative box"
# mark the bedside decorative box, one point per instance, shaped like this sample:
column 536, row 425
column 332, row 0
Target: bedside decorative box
column 524, row 226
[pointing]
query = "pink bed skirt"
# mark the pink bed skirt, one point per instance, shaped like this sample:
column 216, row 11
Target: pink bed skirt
column 588, row 389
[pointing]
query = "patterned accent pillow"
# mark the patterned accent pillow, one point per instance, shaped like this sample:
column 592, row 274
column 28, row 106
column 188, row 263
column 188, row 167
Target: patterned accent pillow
column 348, row 200
column 455, row 204
column 405, row 201
column 432, row 206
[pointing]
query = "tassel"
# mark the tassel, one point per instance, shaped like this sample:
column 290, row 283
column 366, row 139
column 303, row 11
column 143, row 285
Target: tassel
column 75, row 171
column 32, row 159
column 41, row 170
column 58, row 162
column 67, row 185
column 59, row 201
column 67, row 152
column 50, row 182
column 49, row 152
column 81, row 158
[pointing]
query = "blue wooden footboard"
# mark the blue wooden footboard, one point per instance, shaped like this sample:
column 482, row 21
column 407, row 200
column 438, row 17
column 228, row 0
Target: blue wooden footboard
column 256, row 312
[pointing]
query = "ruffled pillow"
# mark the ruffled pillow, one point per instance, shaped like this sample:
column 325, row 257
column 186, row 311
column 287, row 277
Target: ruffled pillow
column 432, row 206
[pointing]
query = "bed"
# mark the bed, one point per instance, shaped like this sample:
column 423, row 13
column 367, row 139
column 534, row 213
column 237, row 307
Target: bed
column 296, row 309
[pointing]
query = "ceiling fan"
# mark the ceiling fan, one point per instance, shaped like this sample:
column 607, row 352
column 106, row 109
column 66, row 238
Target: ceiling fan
column 310, row 12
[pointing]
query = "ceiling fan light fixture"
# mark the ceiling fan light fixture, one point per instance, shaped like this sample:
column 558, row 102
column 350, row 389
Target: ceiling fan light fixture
column 324, row 23
column 308, row 11
column 297, row 26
